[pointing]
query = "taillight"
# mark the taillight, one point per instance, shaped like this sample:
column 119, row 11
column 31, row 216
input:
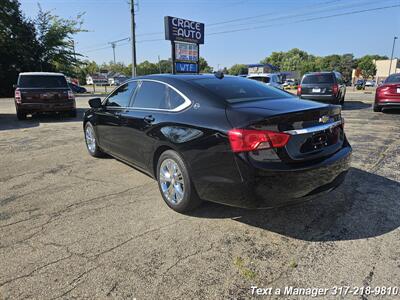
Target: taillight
column 17, row 96
column 335, row 89
column 383, row 89
column 243, row 140
column 299, row 90
column 71, row 95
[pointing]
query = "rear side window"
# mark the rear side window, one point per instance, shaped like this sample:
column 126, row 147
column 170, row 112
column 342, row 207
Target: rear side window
column 394, row 78
column 155, row 95
column 236, row 89
column 42, row 81
column 261, row 79
column 122, row 95
column 318, row 78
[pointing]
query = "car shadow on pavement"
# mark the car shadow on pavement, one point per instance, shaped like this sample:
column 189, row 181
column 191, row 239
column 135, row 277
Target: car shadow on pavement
column 354, row 105
column 10, row 121
column 366, row 205
column 391, row 111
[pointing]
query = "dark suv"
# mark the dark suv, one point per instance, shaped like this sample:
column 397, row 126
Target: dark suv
column 323, row 86
column 39, row 92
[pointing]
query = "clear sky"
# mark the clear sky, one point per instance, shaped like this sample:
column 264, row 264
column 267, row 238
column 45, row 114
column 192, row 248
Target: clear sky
column 263, row 26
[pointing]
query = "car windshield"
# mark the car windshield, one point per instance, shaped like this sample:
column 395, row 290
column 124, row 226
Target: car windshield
column 236, row 89
column 394, row 78
column 42, row 81
column 318, row 78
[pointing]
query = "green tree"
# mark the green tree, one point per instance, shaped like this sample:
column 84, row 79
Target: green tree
column 18, row 45
column 204, row 67
column 147, row 68
column 165, row 66
column 238, row 69
column 367, row 66
column 293, row 60
column 55, row 37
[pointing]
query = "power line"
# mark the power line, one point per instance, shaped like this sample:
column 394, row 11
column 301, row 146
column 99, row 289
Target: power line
column 239, row 19
column 307, row 20
column 273, row 25
column 325, row 9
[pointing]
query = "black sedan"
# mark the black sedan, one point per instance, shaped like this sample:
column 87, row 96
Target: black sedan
column 221, row 138
column 77, row 88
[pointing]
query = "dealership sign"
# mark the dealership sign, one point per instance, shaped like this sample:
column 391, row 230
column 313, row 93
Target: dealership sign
column 177, row 29
column 182, row 67
column 185, row 37
column 186, row 52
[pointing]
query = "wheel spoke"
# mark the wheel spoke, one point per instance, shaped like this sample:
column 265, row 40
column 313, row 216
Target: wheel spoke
column 165, row 176
column 171, row 181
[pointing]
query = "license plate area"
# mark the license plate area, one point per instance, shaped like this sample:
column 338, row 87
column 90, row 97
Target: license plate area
column 316, row 90
column 398, row 90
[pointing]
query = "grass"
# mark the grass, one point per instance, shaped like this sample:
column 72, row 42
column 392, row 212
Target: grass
column 243, row 270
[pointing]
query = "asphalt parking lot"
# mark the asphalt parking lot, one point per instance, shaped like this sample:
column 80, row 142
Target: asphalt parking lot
column 72, row 226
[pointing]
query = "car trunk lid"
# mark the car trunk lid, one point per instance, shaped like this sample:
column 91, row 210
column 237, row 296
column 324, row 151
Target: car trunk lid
column 316, row 130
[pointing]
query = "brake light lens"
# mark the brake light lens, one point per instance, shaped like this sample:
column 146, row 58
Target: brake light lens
column 335, row 89
column 244, row 140
column 71, row 95
column 17, row 96
column 299, row 90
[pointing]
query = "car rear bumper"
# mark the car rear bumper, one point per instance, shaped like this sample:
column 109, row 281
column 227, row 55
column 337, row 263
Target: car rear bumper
column 267, row 188
column 388, row 103
column 321, row 98
column 46, row 107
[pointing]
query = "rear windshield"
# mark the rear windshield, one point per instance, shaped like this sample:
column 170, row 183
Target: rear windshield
column 262, row 79
column 237, row 89
column 318, row 78
column 394, row 78
column 42, row 81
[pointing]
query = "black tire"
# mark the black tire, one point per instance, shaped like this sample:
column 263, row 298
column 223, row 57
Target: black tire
column 21, row 115
column 377, row 108
column 93, row 151
column 190, row 199
column 342, row 100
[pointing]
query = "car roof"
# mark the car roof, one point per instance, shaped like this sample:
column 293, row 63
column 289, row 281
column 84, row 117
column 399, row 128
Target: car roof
column 322, row 72
column 42, row 73
column 262, row 75
column 178, row 78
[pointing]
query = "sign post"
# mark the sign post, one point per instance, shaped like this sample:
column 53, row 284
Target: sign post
column 185, row 37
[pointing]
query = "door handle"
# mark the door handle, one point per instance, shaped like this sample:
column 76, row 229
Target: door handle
column 149, row 119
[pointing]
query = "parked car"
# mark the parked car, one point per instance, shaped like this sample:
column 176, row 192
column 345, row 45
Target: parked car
column 387, row 95
column 289, row 83
column 322, row 86
column 270, row 79
column 370, row 83
column 221, row 138
column 77, row 88
column 360, row 84
column 41, row 92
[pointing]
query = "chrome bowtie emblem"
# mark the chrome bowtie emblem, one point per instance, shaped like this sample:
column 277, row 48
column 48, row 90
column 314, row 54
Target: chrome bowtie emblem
column 324, row 119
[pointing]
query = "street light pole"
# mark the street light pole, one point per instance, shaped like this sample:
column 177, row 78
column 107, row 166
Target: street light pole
column 391, row 57
column 133, row 38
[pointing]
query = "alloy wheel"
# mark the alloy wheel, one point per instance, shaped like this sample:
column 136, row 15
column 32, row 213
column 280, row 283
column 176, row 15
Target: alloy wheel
column 171, row 181
column 90, row 139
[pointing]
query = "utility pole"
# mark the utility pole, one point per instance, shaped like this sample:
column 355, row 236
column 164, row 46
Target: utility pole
column 133, row 38
column 391, row 57
column 114, row 44
column 159, row 64
column 113, row 47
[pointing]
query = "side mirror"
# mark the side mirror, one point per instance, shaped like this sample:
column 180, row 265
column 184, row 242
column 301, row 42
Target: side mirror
column 95, row 103
column 14, row 86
